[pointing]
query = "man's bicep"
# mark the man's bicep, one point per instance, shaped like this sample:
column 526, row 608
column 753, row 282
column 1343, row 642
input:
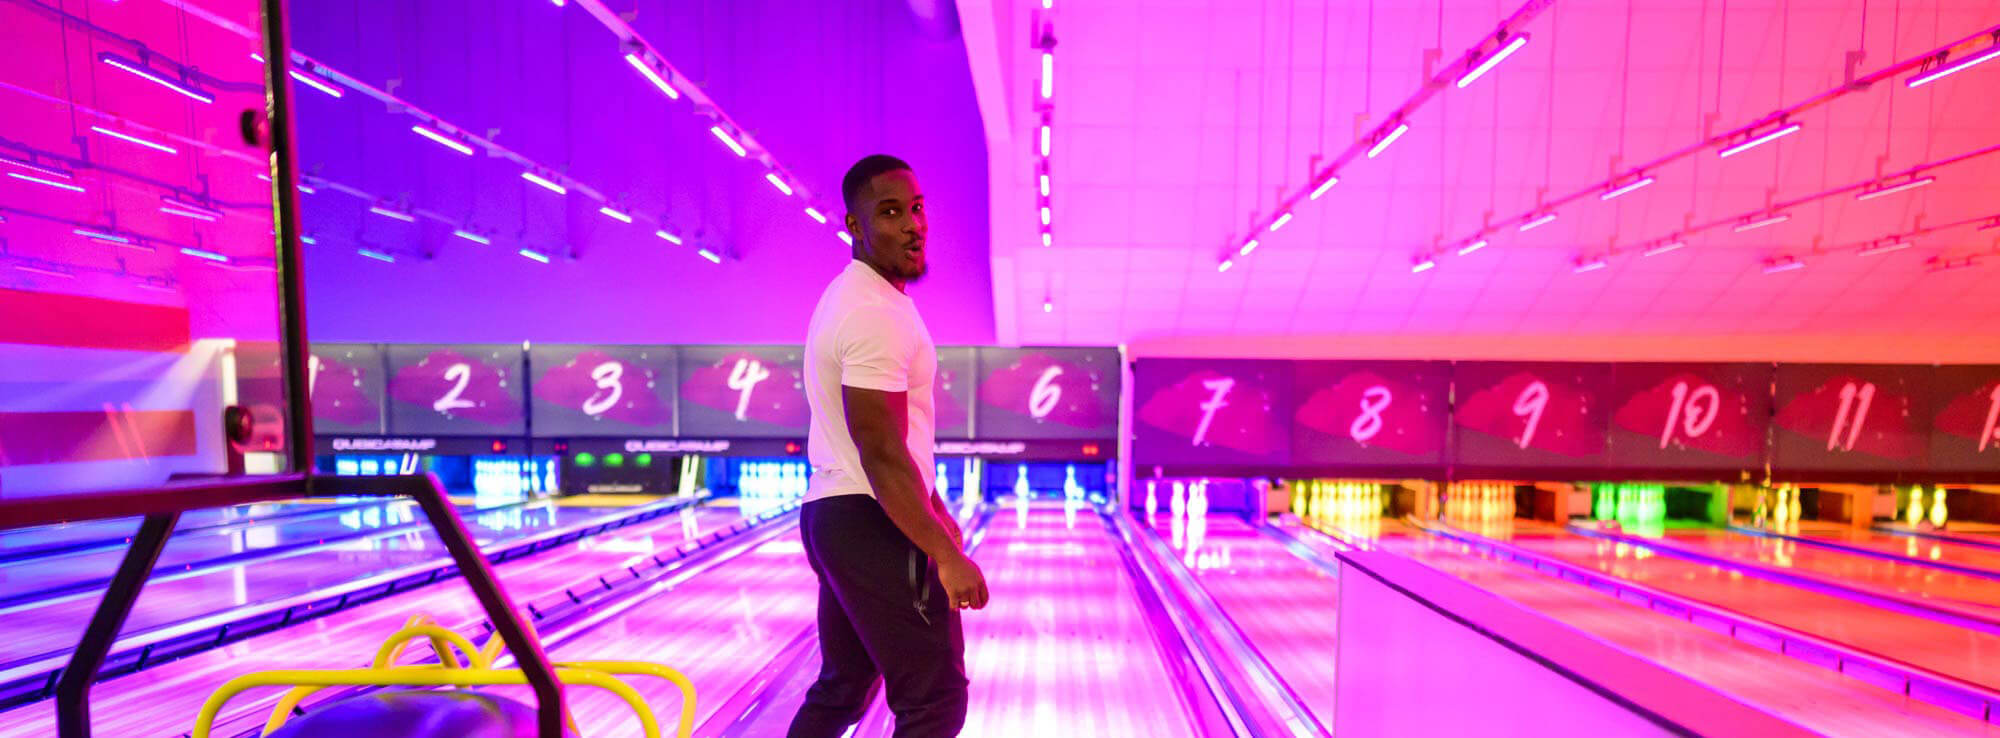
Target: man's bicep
column 875, row 419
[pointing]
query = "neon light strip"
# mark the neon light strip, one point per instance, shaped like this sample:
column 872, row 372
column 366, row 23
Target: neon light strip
column 385, row 212
column 256, row 57
column 668, row 237
column 778, row 182
column 1664, row 248
column 1591, row 266
column 473, row 237
column 209, row 255
column 1423, row 266
column 1754, row 225
column 1494, row 60
column 815, row 215
column 1324, row 186
column 135, row 139
column 614, row 214
column 1761, row 140
column 1991, row 53
column 308, row 189
column 101, row 236
column 1947, row 265
column 546, row 184
column 1545, row 219
column 1048, row 239
column 711, row 256
column 1045, row 215
column 1247, row 248
column 534, row 255
column 727, row 141
column 377, row 255
column 448, row 141
column 317, row 84
column 1389, row 139
column 150, row 75
column 1045, row 185
column 1887, row 248
column 1224, row 266
column 1280, row 222
column 1045, row 140
column 308, row 240
column 44, row 272
column 39, row 180
column 1471, row 247
column 1783, row 266
column 651, row 75
column 1627, row 188
column 205, row 212
column 1893, row 189
column 36, row 168
column 1048, row 75
column 171, row 210
column 844, row 238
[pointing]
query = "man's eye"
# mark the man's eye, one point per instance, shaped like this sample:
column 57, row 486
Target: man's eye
column 890, row 212
column 917, row 209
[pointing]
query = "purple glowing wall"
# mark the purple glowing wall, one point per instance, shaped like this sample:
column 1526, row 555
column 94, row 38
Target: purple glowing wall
column 818, row 84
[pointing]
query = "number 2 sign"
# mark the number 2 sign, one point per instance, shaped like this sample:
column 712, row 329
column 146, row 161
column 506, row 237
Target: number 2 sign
column 456, row 390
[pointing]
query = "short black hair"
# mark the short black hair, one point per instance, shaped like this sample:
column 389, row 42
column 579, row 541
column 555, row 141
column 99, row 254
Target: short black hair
column 864, row 170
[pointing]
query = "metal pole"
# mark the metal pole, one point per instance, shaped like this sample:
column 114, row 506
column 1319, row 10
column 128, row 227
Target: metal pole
column 527, row 650
column 285, row 201
column 73, row 690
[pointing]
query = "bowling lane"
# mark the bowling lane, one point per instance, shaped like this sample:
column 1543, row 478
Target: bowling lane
column 1956, row 652
column 171, row 694
column 1814, row 697
column 718, row 628
column 1963, row 592
column 1285, row 606
column 1064, row 648
column 1919, row 547
column 35, row 630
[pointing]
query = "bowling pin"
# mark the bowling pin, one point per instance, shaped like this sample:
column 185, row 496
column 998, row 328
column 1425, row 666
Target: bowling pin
column 1797, row 508
column 1152, row 501
column 1916, row 512
column 1021, row 495
column 1938, row 511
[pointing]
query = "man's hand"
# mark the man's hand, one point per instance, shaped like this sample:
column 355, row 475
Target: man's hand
column 963, row 581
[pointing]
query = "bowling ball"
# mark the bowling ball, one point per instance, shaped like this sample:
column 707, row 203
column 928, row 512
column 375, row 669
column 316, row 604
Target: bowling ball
column 416, row 714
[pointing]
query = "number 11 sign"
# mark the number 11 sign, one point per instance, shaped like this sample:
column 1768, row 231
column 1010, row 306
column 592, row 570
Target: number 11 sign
column 1852, row 417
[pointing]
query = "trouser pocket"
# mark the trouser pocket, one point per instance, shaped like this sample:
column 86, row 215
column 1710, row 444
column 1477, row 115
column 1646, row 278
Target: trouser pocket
column 920, row 583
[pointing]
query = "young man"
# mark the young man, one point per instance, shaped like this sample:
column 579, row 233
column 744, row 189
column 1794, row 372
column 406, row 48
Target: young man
column 892, row 570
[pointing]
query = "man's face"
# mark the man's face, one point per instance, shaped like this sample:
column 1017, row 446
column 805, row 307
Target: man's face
column 889, row 226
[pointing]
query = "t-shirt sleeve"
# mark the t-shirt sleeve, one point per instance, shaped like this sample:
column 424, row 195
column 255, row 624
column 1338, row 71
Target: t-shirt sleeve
column 876, row 350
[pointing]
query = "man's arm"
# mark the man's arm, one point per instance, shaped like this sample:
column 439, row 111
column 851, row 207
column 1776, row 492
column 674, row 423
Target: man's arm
column 878, row 423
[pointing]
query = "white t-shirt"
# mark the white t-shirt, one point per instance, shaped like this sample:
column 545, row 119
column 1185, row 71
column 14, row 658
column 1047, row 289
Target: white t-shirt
column 866, row 334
